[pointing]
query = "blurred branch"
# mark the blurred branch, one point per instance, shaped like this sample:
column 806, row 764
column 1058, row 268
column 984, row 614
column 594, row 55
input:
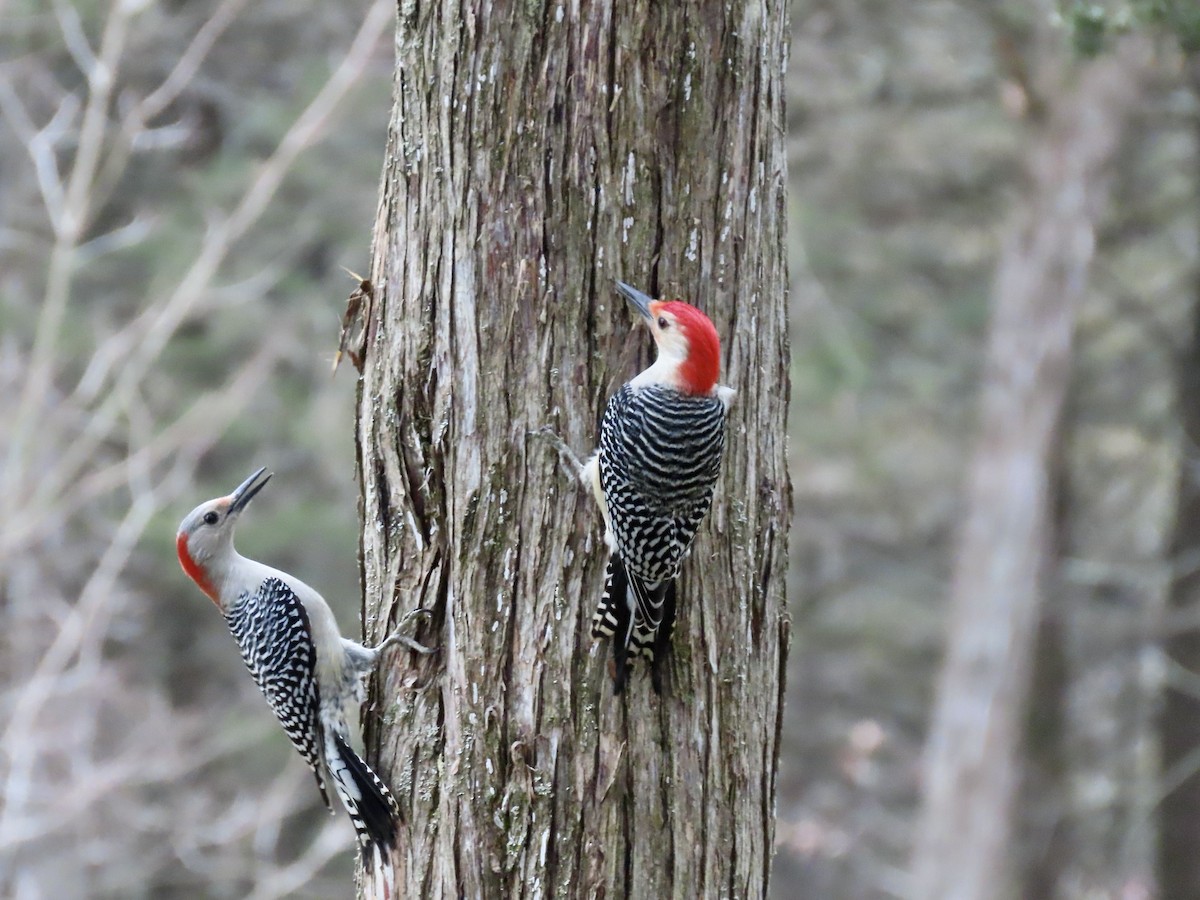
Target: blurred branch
column 74, row 39
column 251, row 819
column 128, row 235
column 211, row 414
column 312, row 121
column 180, row 756
column 40, row 144
column 187, row 66
column 87, row 474
column 1135, row 306
column 140, row 343
column 80, row 627
column 270, row 813
column 279, row 881
column 69, row 226
column 134, row 133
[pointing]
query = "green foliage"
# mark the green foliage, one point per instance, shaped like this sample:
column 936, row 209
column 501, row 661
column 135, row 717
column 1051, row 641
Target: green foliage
column 1091, row 26
column 1094, row 25
column 1180, row 17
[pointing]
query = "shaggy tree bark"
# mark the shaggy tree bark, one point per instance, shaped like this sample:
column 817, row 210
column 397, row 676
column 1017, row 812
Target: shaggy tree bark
column 972, row 767
column 535, row 154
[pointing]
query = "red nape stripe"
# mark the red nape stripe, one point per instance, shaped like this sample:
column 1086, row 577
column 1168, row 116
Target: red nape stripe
column 192, row 570
column 699, row 372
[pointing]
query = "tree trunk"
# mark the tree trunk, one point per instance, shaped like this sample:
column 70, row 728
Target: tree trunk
column 535, row 154
column 1179, row 718
column 971, row 770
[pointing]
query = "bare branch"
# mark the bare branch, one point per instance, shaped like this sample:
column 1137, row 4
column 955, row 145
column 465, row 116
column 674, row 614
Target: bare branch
column 73, row 738
column 189, row 62
column 284, row 881
column 40, row 143
column 74, row 39
column 312, row 121
column 68, row 229
column 210, row 414
column 149, row 333
column 128, row 235
column 81, row 626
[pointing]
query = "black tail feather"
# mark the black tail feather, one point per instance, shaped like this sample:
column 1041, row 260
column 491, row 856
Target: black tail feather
column 618, row 618
column 321, row 787
column 373, row 811
column 662, row 637
column 616, row 591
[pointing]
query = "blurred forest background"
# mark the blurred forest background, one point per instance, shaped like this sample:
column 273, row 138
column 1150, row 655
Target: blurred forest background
column 180, row 187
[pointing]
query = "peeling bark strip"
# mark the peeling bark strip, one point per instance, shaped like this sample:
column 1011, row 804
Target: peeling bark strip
column 535, row 154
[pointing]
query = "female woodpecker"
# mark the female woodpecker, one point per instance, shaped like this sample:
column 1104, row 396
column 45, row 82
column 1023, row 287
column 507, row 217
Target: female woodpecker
column 654, row 474
column 291, row 644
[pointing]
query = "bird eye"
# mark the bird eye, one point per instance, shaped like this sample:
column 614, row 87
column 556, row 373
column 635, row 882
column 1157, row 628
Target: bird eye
column 210, row 518
column 663, row 323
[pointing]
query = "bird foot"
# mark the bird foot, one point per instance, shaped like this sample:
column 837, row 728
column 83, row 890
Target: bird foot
column 570, row 462
column 404, row 640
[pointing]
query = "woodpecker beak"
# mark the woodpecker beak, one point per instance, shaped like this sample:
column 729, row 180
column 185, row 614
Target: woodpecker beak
column 247, row 489
column 637, row 298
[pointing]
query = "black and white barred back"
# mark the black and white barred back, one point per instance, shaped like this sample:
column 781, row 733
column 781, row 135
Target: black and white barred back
column 660, row 457
column 272, row 630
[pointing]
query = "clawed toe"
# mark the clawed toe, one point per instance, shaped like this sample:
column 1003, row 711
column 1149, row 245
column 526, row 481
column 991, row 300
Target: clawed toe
column 409, row 643
column 404, row 640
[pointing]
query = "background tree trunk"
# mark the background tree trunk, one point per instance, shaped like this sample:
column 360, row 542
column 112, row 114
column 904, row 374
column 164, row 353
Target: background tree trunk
column 1179, row 717
column 535, row 154
column 971, row 766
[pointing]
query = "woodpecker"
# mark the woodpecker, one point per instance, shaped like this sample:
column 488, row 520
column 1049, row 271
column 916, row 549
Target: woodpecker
column 661, row 442
column 291, row 644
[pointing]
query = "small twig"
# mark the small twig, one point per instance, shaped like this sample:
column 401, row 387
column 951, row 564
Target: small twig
column 122, row 237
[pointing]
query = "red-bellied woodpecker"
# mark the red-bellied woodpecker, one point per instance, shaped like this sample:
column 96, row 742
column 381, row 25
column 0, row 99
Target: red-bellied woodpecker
column 661, row 443
column 290, row 642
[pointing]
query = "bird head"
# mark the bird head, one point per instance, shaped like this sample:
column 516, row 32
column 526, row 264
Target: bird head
column 689, row 349
column 205, row 538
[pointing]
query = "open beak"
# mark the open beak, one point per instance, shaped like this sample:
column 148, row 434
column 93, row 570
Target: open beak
column 247, row 489
column 637, row 298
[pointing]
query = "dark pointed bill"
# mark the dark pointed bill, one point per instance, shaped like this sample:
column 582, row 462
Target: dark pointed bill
column 247, row 489
column 637, row 298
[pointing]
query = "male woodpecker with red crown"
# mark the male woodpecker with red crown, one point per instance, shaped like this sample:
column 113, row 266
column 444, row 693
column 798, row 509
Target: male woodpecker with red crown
column 291, row 644
column 661, row 442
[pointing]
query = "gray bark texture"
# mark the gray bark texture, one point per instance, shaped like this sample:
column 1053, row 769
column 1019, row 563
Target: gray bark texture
column 971, row 767
column 537, row 152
